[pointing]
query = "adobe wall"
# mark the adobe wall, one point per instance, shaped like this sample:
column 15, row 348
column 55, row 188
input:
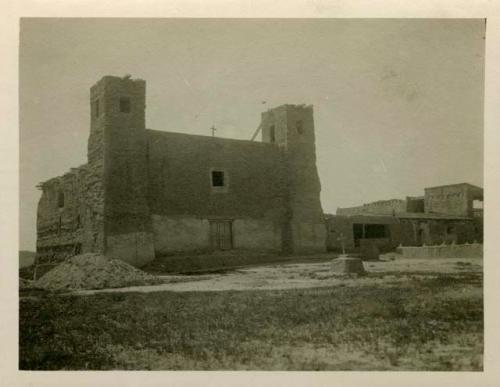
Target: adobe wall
column 474, row 250
column 381, row 207
column 415, row 204
column 187, row 234
column 182, row 199
column 403, row 231
column 78, row 225
column 293, row 126
column 119, row 135
column 342, row 226
column 450, row 200
column 179, row 168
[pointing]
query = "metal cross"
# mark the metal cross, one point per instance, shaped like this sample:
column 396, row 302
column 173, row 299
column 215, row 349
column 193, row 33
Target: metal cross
column 342, row 238
column 213, row 129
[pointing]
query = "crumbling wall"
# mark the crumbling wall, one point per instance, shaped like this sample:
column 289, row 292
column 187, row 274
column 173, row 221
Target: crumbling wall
column 73, row 224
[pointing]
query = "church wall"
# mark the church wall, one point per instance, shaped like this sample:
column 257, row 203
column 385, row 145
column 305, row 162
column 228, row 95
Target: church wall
column 182, row 200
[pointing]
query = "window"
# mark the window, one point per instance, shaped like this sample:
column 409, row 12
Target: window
column 272, row 135
column 96, row 108
column 300, row 127
column 369, row 231
column 125, row 105
column 477, row 204
column 217, row 179
column 375, row 231
column 60, row 200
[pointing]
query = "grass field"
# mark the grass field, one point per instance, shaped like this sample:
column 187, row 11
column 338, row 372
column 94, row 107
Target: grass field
column 431, row 323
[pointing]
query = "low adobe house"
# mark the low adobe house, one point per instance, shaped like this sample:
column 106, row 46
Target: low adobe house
column 445, row 214
column 145, row 193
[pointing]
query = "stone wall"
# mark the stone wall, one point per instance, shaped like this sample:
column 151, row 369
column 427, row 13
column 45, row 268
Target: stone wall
column 76, row 225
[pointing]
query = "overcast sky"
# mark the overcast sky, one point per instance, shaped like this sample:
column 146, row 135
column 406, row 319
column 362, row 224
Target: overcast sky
column 398, row 104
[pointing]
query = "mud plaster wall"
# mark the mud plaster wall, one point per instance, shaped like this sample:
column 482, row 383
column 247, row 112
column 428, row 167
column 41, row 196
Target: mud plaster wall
column 186, row 234
column 127, row 219
column 294, row 132
column 182, row 199
column 180, row 168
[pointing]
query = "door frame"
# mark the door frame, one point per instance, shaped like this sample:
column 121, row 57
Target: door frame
column 215, row 244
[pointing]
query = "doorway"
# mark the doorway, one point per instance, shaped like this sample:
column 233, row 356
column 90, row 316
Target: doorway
column 221, row 234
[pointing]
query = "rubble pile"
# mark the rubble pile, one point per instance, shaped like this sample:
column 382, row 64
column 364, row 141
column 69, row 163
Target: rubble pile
column 93, row 271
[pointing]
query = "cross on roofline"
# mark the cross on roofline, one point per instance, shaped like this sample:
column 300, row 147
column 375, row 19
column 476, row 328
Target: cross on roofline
column 213, row 129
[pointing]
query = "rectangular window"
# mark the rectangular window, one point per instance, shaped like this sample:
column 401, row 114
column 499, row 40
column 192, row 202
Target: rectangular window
column 375, row 231
column 125, row 105
column 217, row 179
column 60, row 200
column 96, row 108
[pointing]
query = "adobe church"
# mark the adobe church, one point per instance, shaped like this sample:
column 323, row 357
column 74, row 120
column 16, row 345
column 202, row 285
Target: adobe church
column 146, row 193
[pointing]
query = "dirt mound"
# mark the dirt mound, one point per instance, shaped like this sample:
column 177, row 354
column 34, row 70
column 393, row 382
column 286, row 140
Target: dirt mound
column 93, row 271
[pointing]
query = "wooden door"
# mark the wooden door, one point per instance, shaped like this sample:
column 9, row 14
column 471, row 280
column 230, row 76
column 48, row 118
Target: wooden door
column 221, row 234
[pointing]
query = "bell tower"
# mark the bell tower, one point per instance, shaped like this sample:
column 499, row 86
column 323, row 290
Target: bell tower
column 291, row 127
column 117, row 151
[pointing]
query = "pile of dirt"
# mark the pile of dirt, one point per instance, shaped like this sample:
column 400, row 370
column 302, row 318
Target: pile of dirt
column 93, row 271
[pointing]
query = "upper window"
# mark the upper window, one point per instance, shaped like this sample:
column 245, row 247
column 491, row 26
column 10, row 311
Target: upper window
column 217, row 179
column 96, row 108
column 300, row 127
column 125, row 105
column 60, row 199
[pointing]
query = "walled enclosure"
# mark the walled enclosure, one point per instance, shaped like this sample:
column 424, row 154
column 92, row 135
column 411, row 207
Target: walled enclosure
column 146, row 192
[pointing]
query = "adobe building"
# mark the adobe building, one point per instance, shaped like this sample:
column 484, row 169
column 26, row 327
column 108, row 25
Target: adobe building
column 445, row 214
column 146, row 193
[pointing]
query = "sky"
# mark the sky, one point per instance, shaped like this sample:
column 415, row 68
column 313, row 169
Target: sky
column 398, row 103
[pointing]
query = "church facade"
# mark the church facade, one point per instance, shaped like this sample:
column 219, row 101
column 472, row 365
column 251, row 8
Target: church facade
column 146, row 193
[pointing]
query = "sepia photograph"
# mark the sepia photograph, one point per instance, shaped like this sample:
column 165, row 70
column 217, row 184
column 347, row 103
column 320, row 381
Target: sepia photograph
column 226, row 194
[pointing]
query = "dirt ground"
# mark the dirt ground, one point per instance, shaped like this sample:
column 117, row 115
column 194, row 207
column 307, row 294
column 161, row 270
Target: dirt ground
column 389, row 271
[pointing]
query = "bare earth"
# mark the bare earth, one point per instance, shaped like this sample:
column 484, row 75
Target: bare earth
column 306, row 275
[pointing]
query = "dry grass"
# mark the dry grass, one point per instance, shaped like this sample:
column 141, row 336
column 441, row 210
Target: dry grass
column 433, row 323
